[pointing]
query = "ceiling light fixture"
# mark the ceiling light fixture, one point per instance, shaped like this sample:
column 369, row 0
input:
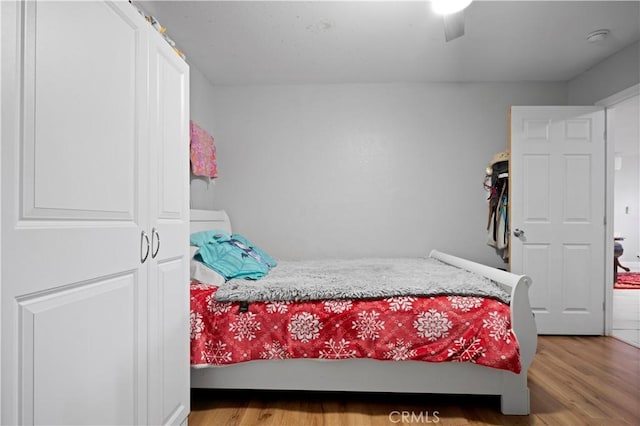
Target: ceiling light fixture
column 447, row 7
column 597, row 35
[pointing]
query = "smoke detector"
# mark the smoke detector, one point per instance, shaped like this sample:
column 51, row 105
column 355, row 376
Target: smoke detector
column 448, row 7
column 597, row 35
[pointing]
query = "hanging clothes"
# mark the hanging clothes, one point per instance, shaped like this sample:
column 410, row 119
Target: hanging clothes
column 203, row 152
column 497, row 183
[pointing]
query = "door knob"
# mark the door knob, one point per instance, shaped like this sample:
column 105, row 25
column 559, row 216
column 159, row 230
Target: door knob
column 518, row 233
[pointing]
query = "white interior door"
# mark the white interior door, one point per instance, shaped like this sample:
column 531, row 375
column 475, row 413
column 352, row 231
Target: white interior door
column 73, row 289
column 557, row 209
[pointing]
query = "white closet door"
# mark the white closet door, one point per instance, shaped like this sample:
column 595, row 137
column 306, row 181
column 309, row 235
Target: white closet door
column 169, row 280
column 73, row 289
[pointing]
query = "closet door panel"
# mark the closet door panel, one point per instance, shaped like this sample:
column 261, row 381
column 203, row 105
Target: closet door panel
column 81, row 115
column 169, row 280
column 172, row 90
column 169, row 357
column 170, row 134
column 74, row 149
column 72, row 322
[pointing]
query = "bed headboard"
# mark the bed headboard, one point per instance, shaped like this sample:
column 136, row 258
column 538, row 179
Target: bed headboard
column 205, row 220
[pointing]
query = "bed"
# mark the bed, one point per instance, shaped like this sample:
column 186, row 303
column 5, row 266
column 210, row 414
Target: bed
column 373, row 375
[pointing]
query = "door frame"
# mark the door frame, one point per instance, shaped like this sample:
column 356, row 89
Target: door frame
column 1, row 64
column 609, row 155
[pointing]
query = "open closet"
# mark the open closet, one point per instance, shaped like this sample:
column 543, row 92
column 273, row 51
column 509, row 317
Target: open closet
column 95, row 217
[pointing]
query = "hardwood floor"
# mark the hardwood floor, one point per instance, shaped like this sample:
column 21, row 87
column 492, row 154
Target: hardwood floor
column 573, row 381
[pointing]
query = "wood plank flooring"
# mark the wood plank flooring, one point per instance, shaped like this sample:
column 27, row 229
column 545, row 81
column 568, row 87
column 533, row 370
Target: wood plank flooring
column 573, row 381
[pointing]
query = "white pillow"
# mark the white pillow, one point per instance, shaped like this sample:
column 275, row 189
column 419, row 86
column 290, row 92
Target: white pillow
column 194, row 250
column 204, row 274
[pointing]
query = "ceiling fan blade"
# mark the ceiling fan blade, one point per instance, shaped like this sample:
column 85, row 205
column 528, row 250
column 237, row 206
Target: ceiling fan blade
column 453, row 25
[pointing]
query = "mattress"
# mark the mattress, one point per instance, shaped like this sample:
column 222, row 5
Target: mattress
column 436, row 328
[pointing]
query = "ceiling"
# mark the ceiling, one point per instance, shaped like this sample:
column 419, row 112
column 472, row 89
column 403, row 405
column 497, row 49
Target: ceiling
column 284, row 42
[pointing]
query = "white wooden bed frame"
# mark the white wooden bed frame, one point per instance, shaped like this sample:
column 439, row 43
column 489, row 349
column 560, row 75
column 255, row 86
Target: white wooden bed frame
column 366, row 375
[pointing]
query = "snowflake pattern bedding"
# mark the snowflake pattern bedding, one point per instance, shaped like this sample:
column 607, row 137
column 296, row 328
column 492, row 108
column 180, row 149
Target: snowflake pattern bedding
column 433, row 329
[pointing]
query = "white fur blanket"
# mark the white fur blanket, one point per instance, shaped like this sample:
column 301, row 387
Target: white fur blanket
column 359, row 279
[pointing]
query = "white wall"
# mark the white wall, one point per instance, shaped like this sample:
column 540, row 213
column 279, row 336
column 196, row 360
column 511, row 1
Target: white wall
column 362, row 170
column 201, row 106
column 627, row 179
column 616, row 73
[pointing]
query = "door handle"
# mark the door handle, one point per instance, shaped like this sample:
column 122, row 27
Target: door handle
column 155, row 237
column 518, row 233
column 144, row 240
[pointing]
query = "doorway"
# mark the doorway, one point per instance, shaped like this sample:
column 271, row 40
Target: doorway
column 623, row 131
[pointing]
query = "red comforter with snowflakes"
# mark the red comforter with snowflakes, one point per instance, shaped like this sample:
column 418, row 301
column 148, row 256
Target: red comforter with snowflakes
column 433, row 329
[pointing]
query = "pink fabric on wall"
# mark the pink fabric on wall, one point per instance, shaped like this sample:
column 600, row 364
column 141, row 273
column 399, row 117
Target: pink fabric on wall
column 203, row 152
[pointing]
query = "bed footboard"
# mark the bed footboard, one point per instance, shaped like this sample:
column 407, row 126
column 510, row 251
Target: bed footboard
column 515, row 394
